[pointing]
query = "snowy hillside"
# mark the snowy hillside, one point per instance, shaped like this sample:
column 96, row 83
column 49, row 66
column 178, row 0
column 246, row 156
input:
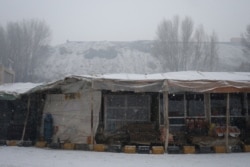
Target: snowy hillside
column 230, row 56
column 117, row 57
column 98, row 57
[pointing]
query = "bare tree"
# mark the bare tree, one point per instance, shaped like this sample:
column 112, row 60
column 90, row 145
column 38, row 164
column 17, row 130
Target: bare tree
column 197, row 58
column 24, row 41
column 167, row 43
column 211, row 53
column 245, row 66
column 180, row 47
column 187, row 31
column 246, row 40
column 3, row 49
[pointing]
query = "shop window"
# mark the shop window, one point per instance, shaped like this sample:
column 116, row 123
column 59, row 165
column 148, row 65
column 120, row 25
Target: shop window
column 236, row 104
column 236, row 109
column 218, row 108
column 218, row 104
column 121, row 110
column 176, row 109
column 112, row 101
column 195, row 105
column 176, row 105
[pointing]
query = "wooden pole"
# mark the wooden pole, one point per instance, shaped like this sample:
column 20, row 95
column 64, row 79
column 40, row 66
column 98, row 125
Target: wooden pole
column 26, row 119
column 227, row 122
column 166, row 121
column 207, row 107
column 92, row 118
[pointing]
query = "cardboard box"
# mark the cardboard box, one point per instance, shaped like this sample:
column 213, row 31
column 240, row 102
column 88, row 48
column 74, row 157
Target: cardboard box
column 157, row 150
column 219, row 149
column 40, row 144
column 188, row 149
column 246, row 148
column 99, row 147
column 11, row 143
column 129, row 149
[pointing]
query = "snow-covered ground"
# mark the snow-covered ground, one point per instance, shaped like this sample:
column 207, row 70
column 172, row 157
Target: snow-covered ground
column 13, row 156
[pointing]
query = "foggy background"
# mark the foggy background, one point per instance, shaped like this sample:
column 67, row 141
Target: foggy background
column 126, row 20
column 46, row 40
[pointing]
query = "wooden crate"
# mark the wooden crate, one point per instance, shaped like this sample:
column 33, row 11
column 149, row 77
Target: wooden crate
column 188, row 149
column 205, row 149
column 3, row 142
column 68, row 146
column 129, row 149
column 11, row 143
column 99, row 147
column 157, row 150
column 143, row 149
column 55, row 145
column 219, row 149
column 246, row 148
column 40, row 144
column 173, row 149
column 235, row 149
column 114, row 148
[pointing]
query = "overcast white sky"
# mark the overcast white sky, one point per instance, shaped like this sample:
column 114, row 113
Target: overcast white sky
column 126, row 20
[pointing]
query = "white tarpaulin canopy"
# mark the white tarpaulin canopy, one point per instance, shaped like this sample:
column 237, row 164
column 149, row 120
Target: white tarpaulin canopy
column 72, row 116
column 175, row 81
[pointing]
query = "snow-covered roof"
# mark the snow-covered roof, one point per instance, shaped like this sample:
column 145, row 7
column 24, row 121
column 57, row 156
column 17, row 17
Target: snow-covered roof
column 194, row 81
column 172, row 81
column 13, row 90
column 183, row 75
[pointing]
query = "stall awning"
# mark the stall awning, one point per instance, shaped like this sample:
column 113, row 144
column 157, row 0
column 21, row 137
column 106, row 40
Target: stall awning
column 186, row 81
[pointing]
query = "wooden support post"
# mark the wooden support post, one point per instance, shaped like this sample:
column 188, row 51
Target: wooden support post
column 207, row 101
column 166, row 121
column 227, row 122
column 26, row 119
column 92, row 118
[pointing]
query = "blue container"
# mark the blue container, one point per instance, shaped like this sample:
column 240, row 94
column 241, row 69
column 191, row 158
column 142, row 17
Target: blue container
column 48, row 128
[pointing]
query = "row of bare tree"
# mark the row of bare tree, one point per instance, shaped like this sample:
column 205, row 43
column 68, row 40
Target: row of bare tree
column 181, row 47
column 22, row 45
column 245, row 66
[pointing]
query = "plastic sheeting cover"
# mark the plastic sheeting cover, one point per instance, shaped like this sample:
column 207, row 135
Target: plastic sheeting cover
column 72, row 115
